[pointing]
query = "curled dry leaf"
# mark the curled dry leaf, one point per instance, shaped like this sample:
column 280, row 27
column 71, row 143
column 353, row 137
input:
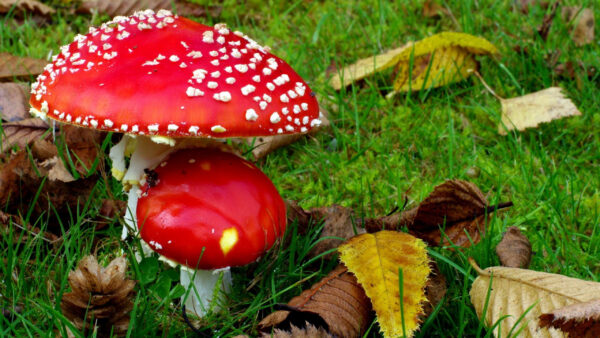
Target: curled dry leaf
column 128, row 7
column 101, row 298
column 577, row 320
column 431, row 9
column 336, row 304
column 457, row 207
column 12, row 66
column 21, row 133
column 14, row 104
column 530, row 110
column 583, row 19
column 435, row 289
column 376, row 260
column 517, row 297
column 514, row 250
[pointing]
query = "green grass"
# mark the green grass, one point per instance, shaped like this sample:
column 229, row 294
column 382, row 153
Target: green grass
column 377, row 153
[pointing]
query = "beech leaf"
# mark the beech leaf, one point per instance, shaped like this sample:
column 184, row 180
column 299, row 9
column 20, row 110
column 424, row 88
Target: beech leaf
column 517, row 297
column 514, row 250
column 22, row 133
column 530, row 110
column 18, row 66
column 14, row 104
column 337, row 304
column 376, row 260
column 577, row 320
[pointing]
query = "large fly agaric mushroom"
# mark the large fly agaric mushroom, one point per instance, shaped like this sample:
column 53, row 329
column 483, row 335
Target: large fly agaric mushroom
column 160, row 78
column 206, row 209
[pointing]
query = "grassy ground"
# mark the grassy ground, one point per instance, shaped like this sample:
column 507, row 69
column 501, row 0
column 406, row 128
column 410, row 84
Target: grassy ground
column 376, row 154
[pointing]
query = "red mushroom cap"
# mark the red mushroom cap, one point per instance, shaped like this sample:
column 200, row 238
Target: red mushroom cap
column 209, row 209
column 159, row 74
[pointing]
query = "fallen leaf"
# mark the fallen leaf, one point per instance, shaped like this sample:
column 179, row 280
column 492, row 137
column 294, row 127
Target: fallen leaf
column 128, row 7
column 439, row 60
column 83, row 145
column 12, row 66
column 101, row 298
column 56, row 170
column 14, row 105
column 22, row 133
column 454, row 212
column 517, row 297
column 339, row 224
column 583, row 29
column 20, row 231
column 22, row 179
column 264, row 145
column 22, row 6
column 514, row 250
column 530, row 110
column 577, row 320
column 435, row 289
column 366, row 67
column 376, row 260
column 337, row 303
column 544, row 28
column 306, row 331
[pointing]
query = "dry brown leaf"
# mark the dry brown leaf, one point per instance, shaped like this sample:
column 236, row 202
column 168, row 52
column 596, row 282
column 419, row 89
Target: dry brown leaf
column 577, row 320
column 12, row 66
column 22, row 178
column 128, row 7
column 512, row 292
column 21, row 133
column 337, row 301
column 530, row 110
column 20, row 231
column 14, row 105
column 435, row 290
column 306, row 331
column 22, row 6
column 456, row 206
column 514, row 250
column 43, row 150
column 376, row 260
column 583, row 18
column 83, row 144
column 338, row 222
column 101, row 298
column 56, row 170
column 265, row 145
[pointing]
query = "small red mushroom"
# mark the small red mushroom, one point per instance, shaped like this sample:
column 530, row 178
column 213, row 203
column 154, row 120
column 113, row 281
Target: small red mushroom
column 206, row 209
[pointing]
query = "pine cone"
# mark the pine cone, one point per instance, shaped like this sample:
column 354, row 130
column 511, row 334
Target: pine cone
column 101, row 298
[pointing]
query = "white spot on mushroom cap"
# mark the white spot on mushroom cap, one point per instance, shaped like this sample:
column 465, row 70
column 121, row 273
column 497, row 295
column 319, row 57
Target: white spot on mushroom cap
column 224, row 96
column 275, row 118
column 251, row 115
column 247, row 89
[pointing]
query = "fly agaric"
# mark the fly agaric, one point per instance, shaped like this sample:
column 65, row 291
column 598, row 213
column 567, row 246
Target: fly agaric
column 207, row 209
column 160, row 79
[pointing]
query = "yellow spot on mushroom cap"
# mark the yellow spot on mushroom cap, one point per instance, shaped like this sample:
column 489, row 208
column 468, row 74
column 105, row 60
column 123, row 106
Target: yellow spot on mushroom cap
column 228, row 240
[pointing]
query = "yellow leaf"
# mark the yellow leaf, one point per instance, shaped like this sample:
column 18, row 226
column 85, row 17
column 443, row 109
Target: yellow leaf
column 438, row 60
column 366, row 67
column 520, row 295
column 532, row 109
column 376, row 259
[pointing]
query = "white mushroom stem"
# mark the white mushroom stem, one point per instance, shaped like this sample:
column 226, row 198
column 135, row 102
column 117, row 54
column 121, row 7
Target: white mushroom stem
column 205, row 289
